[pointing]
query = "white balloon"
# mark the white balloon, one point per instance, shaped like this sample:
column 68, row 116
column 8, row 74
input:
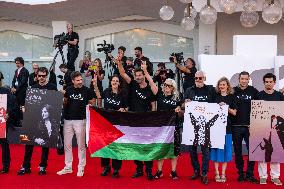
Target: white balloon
column 208, row 14
column 228, row 6
column 166, row 12
column 272, row 14
column 188, row 23
column 249, row 19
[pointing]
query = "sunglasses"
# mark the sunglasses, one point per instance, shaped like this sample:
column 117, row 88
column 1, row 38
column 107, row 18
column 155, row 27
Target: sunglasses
column 41, row 76
column 198, row 78
column 166, row 85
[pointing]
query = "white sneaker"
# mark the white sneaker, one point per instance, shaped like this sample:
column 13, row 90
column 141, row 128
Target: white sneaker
column 64, row 171
column 80, row 172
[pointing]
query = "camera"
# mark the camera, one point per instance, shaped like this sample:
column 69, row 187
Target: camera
column 60, row 40
column 61, row 81
column 179, row 57
column 104, row 47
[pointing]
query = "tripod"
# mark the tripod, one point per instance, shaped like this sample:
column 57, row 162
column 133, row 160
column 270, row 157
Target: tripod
column 54, row 59
column 179, row 79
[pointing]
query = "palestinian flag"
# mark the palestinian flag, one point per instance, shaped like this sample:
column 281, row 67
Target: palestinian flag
column 141, row 136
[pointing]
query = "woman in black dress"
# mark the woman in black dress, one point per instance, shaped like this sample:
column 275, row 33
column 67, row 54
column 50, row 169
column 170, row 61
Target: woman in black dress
column 168, row 99
column 113, row 100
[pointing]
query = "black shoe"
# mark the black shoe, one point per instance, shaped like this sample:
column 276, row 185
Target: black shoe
column 5, row 170
column 159, row 174
column 42, row 171
column 195, row 176
column 137, row 174
column 241, row 178
column 174, row 175
column 204, row 180
column 60, row 151
column 115, row 174
column 106, row 171
column 24, row 171
column 150, row 175
column 252, row 179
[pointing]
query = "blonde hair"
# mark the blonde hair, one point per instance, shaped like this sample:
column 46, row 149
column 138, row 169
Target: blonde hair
column 175, row 92
column 229, row 90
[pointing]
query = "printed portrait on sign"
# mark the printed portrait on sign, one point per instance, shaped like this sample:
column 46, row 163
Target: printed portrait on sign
column 42, row 118
column 267, row 131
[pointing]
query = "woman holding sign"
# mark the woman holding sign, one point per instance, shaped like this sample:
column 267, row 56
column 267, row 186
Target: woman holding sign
column 224, row 96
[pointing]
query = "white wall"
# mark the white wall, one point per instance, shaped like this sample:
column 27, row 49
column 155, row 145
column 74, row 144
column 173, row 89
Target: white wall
column 26, row 28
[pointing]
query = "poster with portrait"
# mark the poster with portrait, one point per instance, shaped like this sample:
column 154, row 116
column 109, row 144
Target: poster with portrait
column 3, row 111
column 266, row 131
column 205, row 124
column 42, row 117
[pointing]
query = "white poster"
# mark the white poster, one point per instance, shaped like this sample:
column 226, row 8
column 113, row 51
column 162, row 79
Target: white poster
column 205, row 124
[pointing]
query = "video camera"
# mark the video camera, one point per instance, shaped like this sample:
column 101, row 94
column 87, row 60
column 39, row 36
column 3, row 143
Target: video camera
column 104, row 47
column 60, row 40
column 179, row 57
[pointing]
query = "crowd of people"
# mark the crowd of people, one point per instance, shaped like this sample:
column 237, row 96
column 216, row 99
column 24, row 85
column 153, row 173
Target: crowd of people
column 134, row 86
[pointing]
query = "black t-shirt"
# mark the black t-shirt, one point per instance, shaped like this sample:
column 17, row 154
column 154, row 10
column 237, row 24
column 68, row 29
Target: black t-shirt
column 77, row 99
column 48, row 86
column 140, row 98
column 72, row 37
column 166, row 103
column 231, row 101
column 203, row 94
column 244, row 98
column 189, row 78
column 113, row 101
column 275, row 96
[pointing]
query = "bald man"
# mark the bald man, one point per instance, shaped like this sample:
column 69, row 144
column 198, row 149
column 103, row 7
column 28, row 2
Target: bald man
column 73, row 47
column 32, row 76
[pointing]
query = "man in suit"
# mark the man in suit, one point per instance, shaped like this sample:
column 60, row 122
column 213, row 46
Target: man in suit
column 20, row 81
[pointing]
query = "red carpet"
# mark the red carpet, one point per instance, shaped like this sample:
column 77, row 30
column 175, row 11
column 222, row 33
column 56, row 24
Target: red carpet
column 92, row 179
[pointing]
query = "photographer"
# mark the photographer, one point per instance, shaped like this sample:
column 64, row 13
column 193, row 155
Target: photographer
column 73, row 48
column 121, row 52
column 33, row 76
column 189, row 71
column 66, row 80
column 162, row 74
column 139, row 58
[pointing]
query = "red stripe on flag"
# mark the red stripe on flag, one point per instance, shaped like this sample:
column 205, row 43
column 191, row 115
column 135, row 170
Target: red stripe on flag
column 102, row 132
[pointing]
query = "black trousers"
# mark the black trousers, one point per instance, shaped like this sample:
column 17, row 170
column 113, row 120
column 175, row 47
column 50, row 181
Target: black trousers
column 28, row 155
column 205, row 159
column 71, row 57
column 116, row 164
column 6, row 158
column 241, row 133
column 139, row 166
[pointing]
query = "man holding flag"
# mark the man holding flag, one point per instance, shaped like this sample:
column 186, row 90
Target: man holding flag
column 142, row 100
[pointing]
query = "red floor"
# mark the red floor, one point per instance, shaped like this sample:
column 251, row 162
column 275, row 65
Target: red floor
column 92, row 179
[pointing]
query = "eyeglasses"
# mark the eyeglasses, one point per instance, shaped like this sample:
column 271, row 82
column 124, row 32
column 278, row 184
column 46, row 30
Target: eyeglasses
column 198, row 78
column 166, row 85
column 41, row 76
column 35, row 68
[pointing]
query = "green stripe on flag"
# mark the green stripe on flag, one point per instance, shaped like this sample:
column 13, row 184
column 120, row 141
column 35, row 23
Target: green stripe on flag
column 142, row 152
